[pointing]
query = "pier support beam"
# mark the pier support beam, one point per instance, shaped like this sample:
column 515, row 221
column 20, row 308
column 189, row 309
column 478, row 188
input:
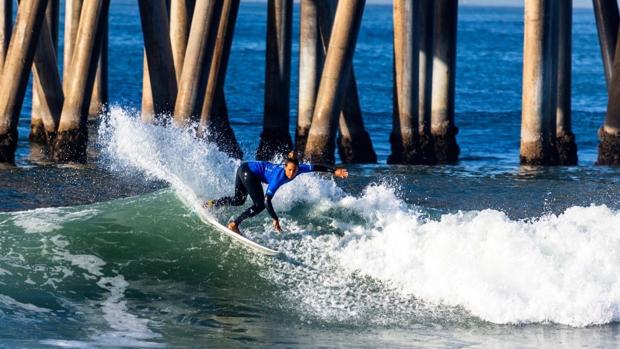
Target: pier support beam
column 607, row 20
column 322, row 136
column 158, row 51
column 443, row 129
column 100, row 97
column 609, row 133
column 48, row 87
column 405, row 131
column 565, row 139
column 72, row 131
column 180, row 22
column 196, row 66
column 6, row 25
column 214, row 122
column 47, row 95
column 16, row 70
column 425, row 81
column 310, row 66
column 354, row 143
column 539, row 96
column 275, row 138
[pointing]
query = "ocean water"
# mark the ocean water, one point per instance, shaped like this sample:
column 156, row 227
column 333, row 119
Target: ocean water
column 481, row 254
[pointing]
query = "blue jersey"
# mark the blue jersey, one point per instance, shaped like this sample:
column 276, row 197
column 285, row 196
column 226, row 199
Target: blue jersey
column 273, row 174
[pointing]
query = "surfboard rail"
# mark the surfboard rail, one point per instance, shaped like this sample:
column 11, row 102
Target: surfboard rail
column 252, row 245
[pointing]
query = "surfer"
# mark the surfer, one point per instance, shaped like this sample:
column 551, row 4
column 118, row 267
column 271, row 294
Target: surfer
column 248, row 181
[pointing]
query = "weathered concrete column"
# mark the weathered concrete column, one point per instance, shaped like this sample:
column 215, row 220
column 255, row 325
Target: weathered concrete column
column 158, row 49
column 354, row 143
column 310, row 66
column 565, row 139
column 322, row 136
column 44, row 119
column 72, row 135
column 147, row 108
column 73, row 9
column 100, row 97
column 48, row 88
column 405, row 130
column 214, row 122
column 180, row 21
column 6, row 25
column 16, row 71
column 275, row 138
column 607, row 20
column 538, row 115
column 443, row 129
column 195, row 72
column 609, row 133
column 425, row 80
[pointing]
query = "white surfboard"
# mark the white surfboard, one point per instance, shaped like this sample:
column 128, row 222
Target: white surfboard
column 207, row 218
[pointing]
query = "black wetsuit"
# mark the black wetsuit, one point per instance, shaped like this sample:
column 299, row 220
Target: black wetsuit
column 248, row 182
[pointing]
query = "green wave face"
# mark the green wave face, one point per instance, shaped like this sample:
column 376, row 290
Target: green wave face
column 145, row 271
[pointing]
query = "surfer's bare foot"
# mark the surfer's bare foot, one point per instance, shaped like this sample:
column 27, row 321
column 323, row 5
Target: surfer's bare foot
column 234, row 227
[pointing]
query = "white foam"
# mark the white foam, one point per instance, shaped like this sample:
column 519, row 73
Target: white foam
column 128, row 329
column 197, row 170
column 10, row 302
column 561, row 269
column 47, row 220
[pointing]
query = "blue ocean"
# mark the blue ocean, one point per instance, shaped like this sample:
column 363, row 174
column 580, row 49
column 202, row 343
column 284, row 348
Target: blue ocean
column 481, row 254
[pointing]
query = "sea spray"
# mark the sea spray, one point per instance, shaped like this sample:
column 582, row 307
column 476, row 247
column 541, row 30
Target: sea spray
column 381, row 261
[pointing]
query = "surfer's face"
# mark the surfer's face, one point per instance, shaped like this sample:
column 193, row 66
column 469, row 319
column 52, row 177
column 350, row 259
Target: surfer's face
column 290, row 170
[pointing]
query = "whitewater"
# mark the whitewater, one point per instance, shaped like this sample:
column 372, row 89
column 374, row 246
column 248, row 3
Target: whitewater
column 369, row 258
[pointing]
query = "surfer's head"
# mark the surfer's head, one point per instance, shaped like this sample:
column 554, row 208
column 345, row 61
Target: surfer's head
column 291, row 165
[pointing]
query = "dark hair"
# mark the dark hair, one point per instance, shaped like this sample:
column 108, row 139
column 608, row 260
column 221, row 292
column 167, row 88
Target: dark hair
column 292, row 158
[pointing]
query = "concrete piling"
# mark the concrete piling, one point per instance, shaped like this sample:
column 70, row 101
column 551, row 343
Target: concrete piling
column 321, row 139
column 565, row 139
column 607, row 19
column 354, row 143
column 16, row 70
column 196, row 66
column 310, row 66
column 73, row 9
column 47, row 87
column 181, row 12
column 425, row 81
column 214, row 122
column 46, row 96
column 405, row 130
column 538, row 118
column 443, row 129
column 609, row 133
column 72, row 134
column 6, row 25
column 158, row 51
column 100, row 97
column 275, row 138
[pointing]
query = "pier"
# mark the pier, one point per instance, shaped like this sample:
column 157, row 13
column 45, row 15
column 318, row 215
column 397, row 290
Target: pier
column 187, row 45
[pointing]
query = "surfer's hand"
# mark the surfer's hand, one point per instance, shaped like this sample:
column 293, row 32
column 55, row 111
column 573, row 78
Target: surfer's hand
column 341, row 172
column 276, row 225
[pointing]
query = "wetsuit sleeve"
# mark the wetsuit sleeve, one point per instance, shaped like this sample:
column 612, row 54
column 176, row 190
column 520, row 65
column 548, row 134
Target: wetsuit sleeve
column 322, row 168
column 269, row 207
column 271, row 189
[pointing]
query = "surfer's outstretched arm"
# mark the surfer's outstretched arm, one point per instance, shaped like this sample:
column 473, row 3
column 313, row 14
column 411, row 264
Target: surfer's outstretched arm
column 337, row 171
